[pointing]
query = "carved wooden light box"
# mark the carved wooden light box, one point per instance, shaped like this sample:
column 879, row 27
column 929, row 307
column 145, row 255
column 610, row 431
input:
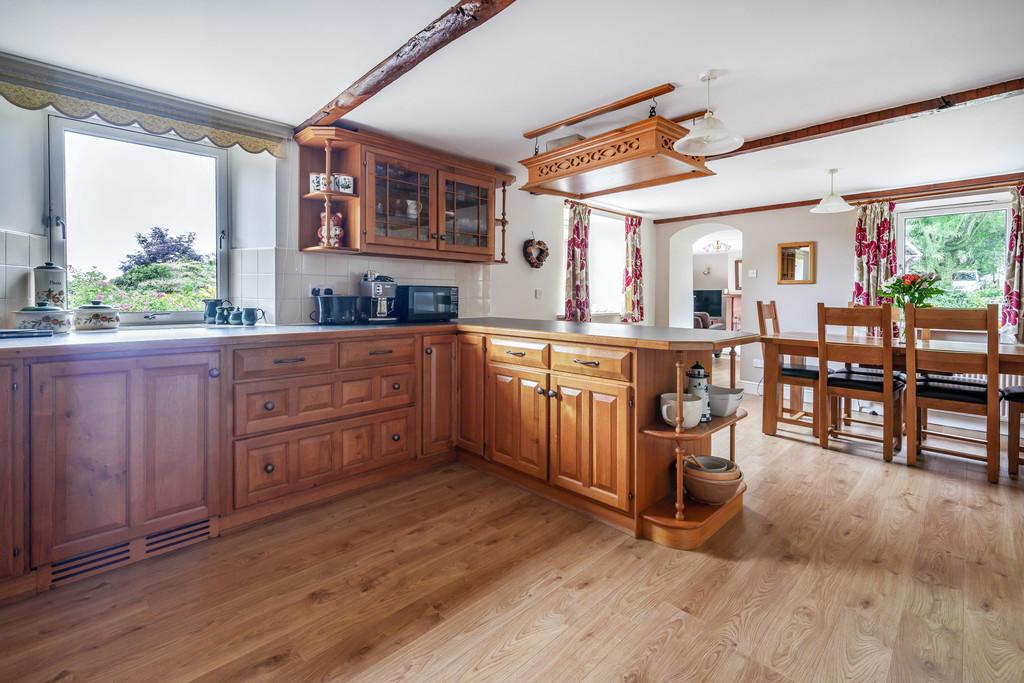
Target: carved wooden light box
column 629, row 158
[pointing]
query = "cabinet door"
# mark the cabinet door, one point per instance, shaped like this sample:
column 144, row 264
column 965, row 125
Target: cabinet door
column 121, row 448
column 12, row 472
column 517, row 419
column 176, row 421
column 467, row 213
column 438, row 382
column 472, row 367
column 590, row 439
column 400, row 197
column 81, row 456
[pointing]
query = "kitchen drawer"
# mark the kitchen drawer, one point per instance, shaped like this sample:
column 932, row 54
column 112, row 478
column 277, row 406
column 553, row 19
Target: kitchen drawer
column 277, row 465
column 285, row 403
column 594, row 361
column 518, row 352
column 278, row 361
column 388, row 351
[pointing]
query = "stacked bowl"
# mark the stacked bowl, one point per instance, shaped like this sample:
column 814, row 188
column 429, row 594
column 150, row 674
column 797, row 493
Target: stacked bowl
column 711, row 480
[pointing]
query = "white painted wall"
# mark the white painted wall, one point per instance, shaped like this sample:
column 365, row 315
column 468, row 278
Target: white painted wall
column 762, row 231
column 22, row 169
column 717, row 265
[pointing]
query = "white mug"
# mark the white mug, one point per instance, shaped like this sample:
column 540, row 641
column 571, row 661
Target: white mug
column 342, row 183
column 691, row 410
column 318, row 182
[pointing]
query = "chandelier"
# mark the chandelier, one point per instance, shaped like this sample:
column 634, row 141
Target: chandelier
column 717, row 247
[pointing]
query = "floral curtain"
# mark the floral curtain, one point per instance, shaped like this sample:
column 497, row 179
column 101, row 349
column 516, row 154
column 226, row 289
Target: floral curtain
column 1009, row 317
column 633, row 276
column 874, row 251
column 577, row 274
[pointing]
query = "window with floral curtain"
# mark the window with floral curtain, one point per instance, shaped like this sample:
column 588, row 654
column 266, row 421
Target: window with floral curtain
column 874, row 251
column 577, row 277
column 633, row 276
column 1009, row 317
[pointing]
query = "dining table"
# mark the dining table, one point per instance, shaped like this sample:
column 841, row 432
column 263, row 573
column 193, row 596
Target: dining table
column 803, row 345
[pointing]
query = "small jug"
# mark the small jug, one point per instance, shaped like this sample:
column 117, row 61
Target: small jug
column 222, row 315
column 210, row 310
column 251, row 315
column 235, row 317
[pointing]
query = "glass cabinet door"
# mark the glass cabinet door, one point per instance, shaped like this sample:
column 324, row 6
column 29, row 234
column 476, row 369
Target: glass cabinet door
column 467, row 220
column 400, row 198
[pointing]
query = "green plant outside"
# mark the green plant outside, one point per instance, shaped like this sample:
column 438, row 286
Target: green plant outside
column 950, row 243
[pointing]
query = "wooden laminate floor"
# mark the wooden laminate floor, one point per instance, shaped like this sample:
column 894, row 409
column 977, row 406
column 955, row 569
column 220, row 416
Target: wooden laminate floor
column 840, row 568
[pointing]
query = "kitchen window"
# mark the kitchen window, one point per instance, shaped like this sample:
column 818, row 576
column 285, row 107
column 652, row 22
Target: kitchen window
column 606, row 258
column 961, row 239
column 138, row 220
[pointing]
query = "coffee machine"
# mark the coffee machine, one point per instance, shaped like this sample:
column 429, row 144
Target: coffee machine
column 382, row 291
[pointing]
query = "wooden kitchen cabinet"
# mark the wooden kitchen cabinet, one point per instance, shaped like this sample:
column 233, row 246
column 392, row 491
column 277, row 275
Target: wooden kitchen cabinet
column 590, row 427
column 400, row 195
column 121, row 448
column 12, row 471
column 467, row 213
column 472, row 360
column 438, row 373
column 517, row 419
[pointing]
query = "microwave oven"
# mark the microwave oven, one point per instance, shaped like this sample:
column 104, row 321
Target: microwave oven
column 426, row 303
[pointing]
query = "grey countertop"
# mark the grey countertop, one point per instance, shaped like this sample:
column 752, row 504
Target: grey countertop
column 185, row 337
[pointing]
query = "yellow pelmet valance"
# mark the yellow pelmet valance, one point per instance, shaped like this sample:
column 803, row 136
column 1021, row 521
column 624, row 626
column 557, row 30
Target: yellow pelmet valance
column 33, row 85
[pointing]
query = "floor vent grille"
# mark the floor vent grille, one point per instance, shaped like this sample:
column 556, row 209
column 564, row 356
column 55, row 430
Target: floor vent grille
column 89, row 564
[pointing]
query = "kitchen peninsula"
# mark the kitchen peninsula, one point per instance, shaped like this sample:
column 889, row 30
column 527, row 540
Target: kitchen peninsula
column 131, row 443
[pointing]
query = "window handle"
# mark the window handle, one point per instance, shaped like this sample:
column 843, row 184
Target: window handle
column 63, row 227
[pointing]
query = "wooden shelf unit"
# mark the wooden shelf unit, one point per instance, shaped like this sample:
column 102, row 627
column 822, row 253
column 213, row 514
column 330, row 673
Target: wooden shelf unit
column 330, row 149
column 701, row 431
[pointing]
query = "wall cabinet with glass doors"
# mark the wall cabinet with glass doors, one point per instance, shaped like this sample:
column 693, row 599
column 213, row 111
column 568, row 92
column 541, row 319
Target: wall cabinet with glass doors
column 410, row 201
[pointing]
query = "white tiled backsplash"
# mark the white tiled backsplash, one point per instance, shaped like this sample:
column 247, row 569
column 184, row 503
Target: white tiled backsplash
column 297, row 273
column 251, row 280
column 19, row 253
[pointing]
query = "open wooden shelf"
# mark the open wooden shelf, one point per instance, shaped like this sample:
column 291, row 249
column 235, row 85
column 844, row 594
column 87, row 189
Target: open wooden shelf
column 700, row 523
column 701, row 431
column 319, row 249
column 333, row 196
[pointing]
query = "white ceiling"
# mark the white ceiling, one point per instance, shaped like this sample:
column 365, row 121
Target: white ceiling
column 787, row 64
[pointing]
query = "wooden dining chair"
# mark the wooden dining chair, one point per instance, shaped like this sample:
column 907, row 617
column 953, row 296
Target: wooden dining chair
column 947, row 391
column 883, row 386
column 794, row 375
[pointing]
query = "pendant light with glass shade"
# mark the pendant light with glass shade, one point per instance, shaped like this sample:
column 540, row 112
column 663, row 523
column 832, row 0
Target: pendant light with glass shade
column 709, row 136
column 831, row 202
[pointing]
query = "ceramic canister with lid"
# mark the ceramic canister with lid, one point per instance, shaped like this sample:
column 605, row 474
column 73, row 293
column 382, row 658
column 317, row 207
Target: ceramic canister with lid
column 51, row 284
column 96, row 316
column 697, row 384
column 43, row 316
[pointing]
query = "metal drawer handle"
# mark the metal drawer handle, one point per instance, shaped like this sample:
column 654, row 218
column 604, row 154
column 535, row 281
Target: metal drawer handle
column 289, row 361
column 269, row 468
column 269, row 406
column 588, row 363
column 214, row 373
column 429, row 351
column 541, row 390
column 381, row 352
column 396, row 437
column 517, row 354
column 396, row 386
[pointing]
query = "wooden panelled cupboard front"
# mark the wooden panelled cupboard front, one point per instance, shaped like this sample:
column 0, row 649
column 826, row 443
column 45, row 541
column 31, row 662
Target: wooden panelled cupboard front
column 141, row 452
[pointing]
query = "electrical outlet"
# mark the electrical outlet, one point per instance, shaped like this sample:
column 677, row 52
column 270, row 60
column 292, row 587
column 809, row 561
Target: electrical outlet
column 538, row 293
column 752, row 272
column 320, row 287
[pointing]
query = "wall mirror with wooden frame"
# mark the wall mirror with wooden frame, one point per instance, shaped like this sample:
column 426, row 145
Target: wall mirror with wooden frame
column 796, row 263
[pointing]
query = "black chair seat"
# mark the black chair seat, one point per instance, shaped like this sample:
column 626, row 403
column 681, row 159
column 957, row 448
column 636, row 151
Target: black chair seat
column 959, row 389
column 1014, row 393
column 864, row 381
column 798, row 371
column 877, row 372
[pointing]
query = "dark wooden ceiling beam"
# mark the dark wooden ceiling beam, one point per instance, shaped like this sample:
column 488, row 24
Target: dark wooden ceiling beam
column 964, row 98
column 635, row 98
column 456, row 22
column 900, row 193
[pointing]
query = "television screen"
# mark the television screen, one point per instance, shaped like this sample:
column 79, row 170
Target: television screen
column 708, row 301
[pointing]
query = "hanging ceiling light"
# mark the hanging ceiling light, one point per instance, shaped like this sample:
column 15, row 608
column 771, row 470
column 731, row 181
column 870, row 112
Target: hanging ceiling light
column 831, row 202
column 717, row 247
column 709, row 136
